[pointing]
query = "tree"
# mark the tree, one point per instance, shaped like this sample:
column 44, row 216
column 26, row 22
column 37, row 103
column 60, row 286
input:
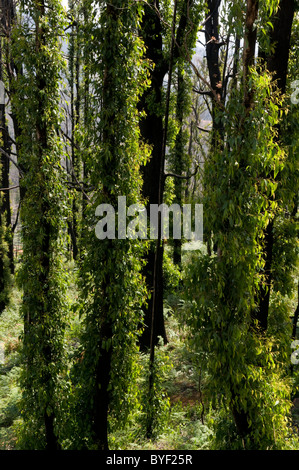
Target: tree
column 36, row 103
column 240, row 179
column 111, row 283
column 154, row 102
column 180, row 160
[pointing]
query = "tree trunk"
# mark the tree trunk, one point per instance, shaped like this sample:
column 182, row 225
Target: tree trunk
column 37, row 296
column 151, row 128
column 179, row 164
column 6, row 142
column 249, row 48
column 75, row 106
column 212, row 52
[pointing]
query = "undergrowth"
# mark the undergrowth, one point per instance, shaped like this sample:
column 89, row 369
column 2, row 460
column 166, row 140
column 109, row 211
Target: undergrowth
column 186, row 419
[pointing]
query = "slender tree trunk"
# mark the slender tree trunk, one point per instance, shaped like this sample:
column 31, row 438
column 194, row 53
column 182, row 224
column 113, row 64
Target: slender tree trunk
column 277, row 63
column 86, row 104
column 12, row 70
column 42, row 140
column 296, row 317
column 74, row 105
column 212, row 52
column 111, row 319
column 249, row 48
column 103, row 367
column 6, row 142
column 213, row 45
column 179, row 152
column 152, row 132
column 42, row 304
column 103, row 373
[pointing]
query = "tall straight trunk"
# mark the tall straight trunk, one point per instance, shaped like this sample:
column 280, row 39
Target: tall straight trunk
column 12, row 70
column 277, row 63
column 113, row 265
column 152, row 133
column 41, row 277
column 6, row 142
column 250, row 36
column 103, row 366
column 85, row 103
column 75, row 106
column 42, row 140
column 213, row 45
column 179, row 165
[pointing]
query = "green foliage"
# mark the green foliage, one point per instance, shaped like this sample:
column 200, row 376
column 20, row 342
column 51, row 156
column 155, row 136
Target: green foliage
column 5, row 272
column 155, row 403
column 239, row 203
column 267, row 12
column 172, row 274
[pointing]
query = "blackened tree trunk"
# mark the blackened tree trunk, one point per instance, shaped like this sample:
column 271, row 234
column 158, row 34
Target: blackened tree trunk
column 6, row 240
column 41, row 276
column 43, row 144
column 5, row 12
column 277, row 63
column 74, row 84
column 241, row 415
column 179, row 166
column 249, row 49
column 152, row 128
column 153, row 133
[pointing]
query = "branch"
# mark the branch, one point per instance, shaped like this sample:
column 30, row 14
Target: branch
column 216, row 43
column 79, row 186
column 202, row 129
column 9, row 189
column 8, row 134
column 12, row 161
column 70, row 139
column 173, row 175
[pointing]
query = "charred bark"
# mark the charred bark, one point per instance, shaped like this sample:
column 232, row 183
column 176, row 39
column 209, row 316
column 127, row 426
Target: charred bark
column 152, row 131
column 151, row 128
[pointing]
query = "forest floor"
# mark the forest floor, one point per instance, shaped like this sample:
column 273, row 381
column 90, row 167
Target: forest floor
column 189, row 420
